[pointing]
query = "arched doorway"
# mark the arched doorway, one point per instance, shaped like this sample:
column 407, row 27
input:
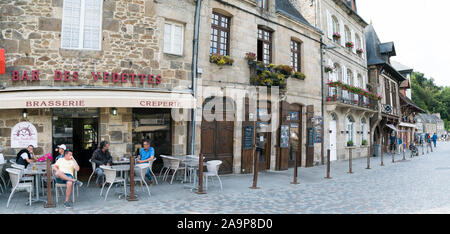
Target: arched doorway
column 218, row 131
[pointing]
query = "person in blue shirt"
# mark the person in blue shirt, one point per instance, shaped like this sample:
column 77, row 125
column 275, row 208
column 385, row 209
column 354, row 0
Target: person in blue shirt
column 146, row 155
column 434, row 138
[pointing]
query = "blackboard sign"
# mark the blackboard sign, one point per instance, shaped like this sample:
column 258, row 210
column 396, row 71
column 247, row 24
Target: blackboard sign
column 318, row 135
column 310, row 136
column 284, row 141
column 248, row 137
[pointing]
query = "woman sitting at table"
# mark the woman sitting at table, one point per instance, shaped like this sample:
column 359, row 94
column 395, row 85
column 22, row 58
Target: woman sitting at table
column 146, row 155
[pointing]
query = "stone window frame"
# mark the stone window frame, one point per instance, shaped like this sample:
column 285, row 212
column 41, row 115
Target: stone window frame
column 221, row 19
column 263, row 4
column 296, row 51
column 174, row 24
column 265, row 36
column 82, row 27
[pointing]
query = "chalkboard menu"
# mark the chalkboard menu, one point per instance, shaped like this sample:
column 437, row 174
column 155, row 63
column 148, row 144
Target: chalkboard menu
column 248, row 137
column 310, row 136
column 284, row 141
column 318, row 134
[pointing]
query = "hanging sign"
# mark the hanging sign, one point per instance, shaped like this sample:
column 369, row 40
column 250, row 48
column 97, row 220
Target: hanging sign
column 24, row 134
column 2, row 61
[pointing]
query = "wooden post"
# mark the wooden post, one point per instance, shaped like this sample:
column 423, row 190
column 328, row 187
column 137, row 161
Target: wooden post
column 381, row 157
column 295, row 169
column 132, row 197
column 49, row 203
column 328, row 164
column 200, row 175
column 350, row 161
column 393, row 155
column 368, row 156
column 422, row 150
column 404, row 157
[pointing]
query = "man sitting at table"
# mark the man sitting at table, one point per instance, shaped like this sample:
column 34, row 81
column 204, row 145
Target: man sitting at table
column 146, row 155
column 64, row 169
column 26, row 156
column 101, row 156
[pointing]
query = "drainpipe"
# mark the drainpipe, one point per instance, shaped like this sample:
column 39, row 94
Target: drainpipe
column 194, row 74
column 323, row 103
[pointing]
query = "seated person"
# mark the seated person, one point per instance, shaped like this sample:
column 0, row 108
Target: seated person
column 61, row 149
column 64, row 169
column 146, row 155
column 101, row 156
column 26, row 156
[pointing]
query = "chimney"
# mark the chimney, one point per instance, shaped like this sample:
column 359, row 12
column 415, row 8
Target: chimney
column 351, row 4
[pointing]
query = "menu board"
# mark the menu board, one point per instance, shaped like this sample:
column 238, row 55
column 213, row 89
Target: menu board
column 284, row 136
column 310, row 136
column 248, row 137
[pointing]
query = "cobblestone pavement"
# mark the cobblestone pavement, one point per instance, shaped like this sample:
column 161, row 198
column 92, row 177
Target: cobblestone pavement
column 418, row 185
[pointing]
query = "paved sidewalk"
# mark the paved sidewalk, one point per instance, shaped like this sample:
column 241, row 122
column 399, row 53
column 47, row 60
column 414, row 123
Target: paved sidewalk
column 417, row 185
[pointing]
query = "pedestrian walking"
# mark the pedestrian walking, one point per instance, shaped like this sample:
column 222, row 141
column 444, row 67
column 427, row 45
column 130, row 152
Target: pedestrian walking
column 392, row 140
column 434, row 138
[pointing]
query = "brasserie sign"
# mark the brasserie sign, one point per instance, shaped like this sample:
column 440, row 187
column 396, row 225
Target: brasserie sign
column 105, row 77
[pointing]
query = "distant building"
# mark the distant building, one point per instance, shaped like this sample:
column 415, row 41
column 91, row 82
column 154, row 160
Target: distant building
column 430, row 123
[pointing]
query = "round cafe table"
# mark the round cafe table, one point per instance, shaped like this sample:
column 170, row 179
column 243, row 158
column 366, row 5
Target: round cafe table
column 37, row 179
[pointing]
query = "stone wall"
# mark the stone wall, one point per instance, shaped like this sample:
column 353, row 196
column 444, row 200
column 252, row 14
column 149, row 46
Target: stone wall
column 132, row 42
column 117, row 131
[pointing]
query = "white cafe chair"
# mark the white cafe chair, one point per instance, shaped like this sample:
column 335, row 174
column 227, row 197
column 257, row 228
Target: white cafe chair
column 140, row 170
column 62, row 186
column 15, row 176
column 93, row 172
column 111, row 178
column 174, row 164
column 166, row 165
column 213, row 170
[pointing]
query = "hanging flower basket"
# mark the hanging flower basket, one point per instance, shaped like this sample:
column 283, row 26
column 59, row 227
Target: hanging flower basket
column 251, row 57
column 359, row 51
column 336, row 36
column 349, row 45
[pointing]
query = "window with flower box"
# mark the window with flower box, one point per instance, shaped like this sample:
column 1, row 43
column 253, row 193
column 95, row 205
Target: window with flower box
column 220, row 34
column 264, row 53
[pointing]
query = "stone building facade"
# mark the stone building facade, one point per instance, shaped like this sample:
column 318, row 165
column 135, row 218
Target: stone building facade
column 346, row 114
column 226, row 140
column 89, row 59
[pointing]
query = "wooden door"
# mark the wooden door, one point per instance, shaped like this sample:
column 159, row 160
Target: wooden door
column 217, row 136
column 289, row 136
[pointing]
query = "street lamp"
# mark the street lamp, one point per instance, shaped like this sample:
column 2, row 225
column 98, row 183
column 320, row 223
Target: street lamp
column 114, row 111
column 25, row 113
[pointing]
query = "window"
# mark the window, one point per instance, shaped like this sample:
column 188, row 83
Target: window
column 336, row 28
column 350, row 129
column 82, row 24
column 173, row 38
column 363, row 130
column 295, row 56
column 220, row 34
column 262, row 4
column 348, row 35
column 264, row 52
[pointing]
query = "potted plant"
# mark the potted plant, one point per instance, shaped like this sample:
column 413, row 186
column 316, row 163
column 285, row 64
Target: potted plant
column 221, row 59
column 299, row 76
column 349, row 45
column 329, row 69
column 251, row 57
column 336, row 36
column 349, row 143
column 364, row 142
column 359, row 51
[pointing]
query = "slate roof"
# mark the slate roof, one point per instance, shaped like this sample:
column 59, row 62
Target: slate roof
column 379, row 53
column 400, row 67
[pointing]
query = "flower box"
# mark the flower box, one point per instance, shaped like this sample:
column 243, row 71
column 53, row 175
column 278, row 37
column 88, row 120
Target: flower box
column 349, row 45
column 221, row 59
column 299, row 76
column 329, row 69
column 336, row 36
column 359, row 51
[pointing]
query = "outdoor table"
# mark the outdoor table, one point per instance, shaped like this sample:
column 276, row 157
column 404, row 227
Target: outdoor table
column 123, row 168
column 121, row 161
column 37, row 174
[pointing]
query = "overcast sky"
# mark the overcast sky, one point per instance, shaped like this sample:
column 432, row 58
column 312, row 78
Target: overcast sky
column 419, row 29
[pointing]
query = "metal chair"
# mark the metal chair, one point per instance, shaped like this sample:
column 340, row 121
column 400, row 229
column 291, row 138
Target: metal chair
column 213, row 170
column 93, row 172
column 61, row 186
column 15, row 177
column 141, row 169
column 111, row 178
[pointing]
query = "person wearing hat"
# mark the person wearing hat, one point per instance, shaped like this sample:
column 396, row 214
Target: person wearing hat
column 61, row 149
